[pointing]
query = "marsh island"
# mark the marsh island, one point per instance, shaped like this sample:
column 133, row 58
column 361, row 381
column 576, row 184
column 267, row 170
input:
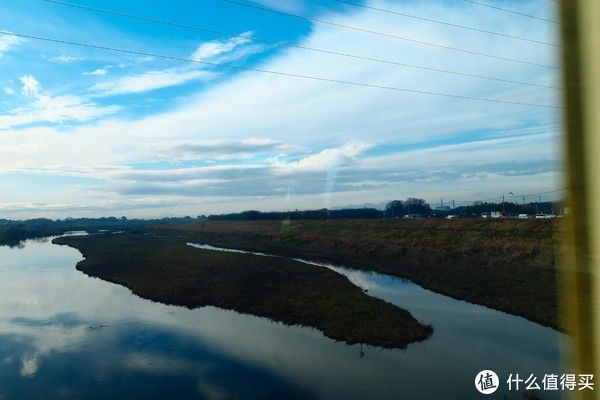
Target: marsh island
column 167, row 270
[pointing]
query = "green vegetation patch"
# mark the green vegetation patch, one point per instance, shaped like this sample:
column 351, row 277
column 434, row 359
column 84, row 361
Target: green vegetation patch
column 169, row 271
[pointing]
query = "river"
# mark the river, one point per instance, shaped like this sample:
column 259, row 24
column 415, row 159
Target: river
column 65, row 335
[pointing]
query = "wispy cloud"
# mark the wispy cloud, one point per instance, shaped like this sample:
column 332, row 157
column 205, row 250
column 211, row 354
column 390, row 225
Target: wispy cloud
column 217, row 149
column 347, row 169
column 295, row 6
column 51, row 109
column 7, row 42
column 211, row 50
column 56, row 109
column 96, row 72
column 148, row 81
column 65, row 59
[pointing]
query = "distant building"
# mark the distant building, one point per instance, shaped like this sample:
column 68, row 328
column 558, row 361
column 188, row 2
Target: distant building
column 496, row 214
column 523, row 216
column 451, row 216
column 544, row 216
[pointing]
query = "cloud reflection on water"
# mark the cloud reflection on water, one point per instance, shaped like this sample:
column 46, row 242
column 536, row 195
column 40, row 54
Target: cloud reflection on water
column 81, row 336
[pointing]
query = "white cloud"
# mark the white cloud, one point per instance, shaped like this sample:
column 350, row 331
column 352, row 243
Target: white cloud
column 51, row 109
column 149, row 81
column 56, row 109
column 210, row 50
column 96, row 72
column 326, row 159
column 30, row 86
column 7, row 42
column 9, row 91
column 65, row 59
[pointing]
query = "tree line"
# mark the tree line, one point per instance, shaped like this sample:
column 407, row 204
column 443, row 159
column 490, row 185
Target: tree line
column 13, row 232
column 411, row 207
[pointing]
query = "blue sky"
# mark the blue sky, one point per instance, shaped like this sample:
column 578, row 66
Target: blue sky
column 92, row 132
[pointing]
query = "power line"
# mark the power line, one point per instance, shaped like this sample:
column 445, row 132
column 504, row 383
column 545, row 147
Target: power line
column 470, row 28
column 388, row 35
column 283, row 43
column 475, row 201
column 510, row 11
column 540, row 193
column 279, row 73
column 513, row 196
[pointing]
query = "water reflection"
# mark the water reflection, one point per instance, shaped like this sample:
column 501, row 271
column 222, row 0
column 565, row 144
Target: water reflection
column 64, row 334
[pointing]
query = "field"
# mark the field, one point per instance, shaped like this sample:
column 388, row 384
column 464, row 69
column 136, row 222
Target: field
column 507, row 265
column 168, row 271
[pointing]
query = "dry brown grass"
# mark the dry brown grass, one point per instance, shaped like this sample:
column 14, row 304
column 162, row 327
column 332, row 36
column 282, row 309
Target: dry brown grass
column 504, row 264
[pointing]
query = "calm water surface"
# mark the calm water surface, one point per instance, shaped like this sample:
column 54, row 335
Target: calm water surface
column 64, row 335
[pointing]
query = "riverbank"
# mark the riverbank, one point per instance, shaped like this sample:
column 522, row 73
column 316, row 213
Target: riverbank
column 508, row 265
column 168, row 271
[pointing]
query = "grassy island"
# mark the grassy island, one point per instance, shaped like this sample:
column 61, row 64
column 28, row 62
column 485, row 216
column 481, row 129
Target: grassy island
column 167, row 270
